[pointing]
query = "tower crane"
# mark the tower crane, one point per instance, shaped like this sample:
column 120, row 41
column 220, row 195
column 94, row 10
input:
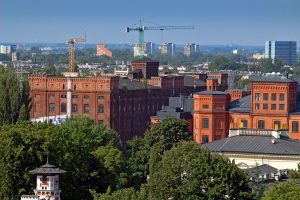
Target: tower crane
column 71, row 47
column 141, row 29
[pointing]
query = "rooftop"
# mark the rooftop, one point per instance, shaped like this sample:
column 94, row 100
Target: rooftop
column 242, row 105
column 262, row 169
column 255, row 144
column 143, row 60
column 270, row 78
column 190, row 81
column 134, row 85
column 212, row 92
column 47, row 169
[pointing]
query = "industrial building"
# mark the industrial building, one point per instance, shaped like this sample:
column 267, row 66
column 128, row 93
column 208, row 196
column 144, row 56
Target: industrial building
column 124, row 104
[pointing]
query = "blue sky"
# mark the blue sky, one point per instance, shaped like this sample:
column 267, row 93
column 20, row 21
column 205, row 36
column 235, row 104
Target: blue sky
column 216, row 21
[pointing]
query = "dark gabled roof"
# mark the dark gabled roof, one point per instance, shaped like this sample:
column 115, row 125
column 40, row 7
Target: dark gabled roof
column 271, row 79
column 242, row 105
column 143, row 60
column 260, row 170
column 212, row 92
column 190, row 81
column 47, row 169
column 134, row 85
column 255, row 145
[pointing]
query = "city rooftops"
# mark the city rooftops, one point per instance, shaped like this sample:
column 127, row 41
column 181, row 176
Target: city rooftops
column 271, row 78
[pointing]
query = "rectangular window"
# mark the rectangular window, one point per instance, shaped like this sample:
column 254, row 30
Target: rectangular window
column 63, row 96
column 281, row 106
column 74, row 107
column 273, row 97
column 205, row 139
column 52, row 107
column 273, row 106
column 265, row 106
column 63, row 107
column 261, row 124
column 257, row 106
column 86, row 108
column 257, row 96
column 86, row 96
column 281, row 97
column 205, row 123
column 265, row 97
column 100, row 122
column 244, row 123
column 295, row 127
column 100, row 97
column 277, row 125
column 205, row 106
column 100, row 108
column 74, row 96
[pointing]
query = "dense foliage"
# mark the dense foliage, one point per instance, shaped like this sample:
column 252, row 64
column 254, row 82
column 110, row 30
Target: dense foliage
column 144, row 152
column 14, row 96
column 189, row 172
column 89, row 153
column 289, row 190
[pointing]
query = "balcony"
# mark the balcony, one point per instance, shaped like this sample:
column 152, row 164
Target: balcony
column 262, row 132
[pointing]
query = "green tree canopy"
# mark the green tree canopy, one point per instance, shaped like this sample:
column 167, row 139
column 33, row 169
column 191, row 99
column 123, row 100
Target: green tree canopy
column 289, row 190
column 189, row 172
column 147, row 151
column 13, row 94
column 79, row 146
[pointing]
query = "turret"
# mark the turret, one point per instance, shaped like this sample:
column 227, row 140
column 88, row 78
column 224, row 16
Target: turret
column 47, row 183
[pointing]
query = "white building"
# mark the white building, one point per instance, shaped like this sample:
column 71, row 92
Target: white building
column 47, row 183
column 7, row 49
column 251, row 147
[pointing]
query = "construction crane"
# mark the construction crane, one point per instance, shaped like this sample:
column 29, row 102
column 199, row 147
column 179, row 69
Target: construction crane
column 70, row 44
column 141, row 29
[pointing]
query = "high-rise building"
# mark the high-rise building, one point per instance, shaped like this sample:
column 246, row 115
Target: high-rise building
column 8, row 49
column 103, row 51
column 147, row 49
column 281, row 50
column 190, row 48
column 167, row 48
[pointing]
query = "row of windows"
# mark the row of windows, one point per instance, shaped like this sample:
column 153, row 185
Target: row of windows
column 261, row 125
column 266, row 106
column 86, row 108
column 273, row 96
column 74, row 96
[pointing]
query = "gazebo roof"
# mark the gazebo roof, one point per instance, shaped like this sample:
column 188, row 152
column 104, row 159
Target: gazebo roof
column 47, row 169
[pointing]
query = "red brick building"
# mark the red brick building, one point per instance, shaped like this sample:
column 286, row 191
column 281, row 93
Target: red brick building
column 272, row 105
column 124, row 105
column 211, row 115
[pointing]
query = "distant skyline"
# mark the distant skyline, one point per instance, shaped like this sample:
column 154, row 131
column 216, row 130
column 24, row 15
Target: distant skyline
column 239, row 22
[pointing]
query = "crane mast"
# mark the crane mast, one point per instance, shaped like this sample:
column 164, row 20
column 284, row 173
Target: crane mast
column 71, row 42
column 141, row 29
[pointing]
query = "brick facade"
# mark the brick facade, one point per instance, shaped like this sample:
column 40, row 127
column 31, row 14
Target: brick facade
column 124, row 105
